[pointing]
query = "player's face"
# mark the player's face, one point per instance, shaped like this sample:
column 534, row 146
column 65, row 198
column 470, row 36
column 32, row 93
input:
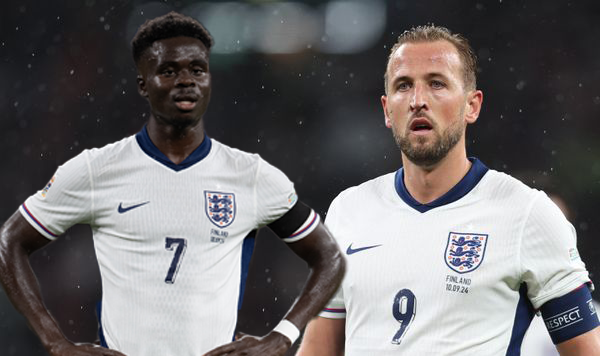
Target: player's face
column 174, row 77
column 427, row 106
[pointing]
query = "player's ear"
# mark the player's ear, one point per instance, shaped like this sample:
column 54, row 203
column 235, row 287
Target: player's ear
column 388, row 121
column 141, row 85
column 473, row 105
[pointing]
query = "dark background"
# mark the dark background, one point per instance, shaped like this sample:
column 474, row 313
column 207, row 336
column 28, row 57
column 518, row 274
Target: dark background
column 67, row 82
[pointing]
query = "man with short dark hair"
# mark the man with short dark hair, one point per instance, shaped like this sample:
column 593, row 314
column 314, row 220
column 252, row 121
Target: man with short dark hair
column 446, row 256
column 173, row 215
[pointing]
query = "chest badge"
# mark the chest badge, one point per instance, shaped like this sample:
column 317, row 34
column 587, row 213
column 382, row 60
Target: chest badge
column 220, row 208
column 465, row 251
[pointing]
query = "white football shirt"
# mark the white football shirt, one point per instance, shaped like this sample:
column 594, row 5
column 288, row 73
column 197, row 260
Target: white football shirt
column 458, row 276
column 170, row 239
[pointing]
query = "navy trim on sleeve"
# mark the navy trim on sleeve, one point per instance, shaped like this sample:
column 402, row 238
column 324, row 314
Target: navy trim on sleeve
column 101, row 337
column 247, row 251
column 290, row 221
column 523, row 316
column 570, row 315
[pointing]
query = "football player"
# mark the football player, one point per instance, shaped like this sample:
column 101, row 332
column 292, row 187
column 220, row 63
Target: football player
column 173, row 214
column 446, row 256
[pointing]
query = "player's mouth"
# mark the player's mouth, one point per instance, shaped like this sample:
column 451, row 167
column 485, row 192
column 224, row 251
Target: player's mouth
column 186, row 102
column 420, row 126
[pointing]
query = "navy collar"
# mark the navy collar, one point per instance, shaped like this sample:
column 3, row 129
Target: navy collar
column 469, row 181
column 151, row 150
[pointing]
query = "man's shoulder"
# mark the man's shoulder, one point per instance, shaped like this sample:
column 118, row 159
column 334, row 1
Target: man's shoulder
column 502, row 185
column 101, row 155
column 111, row 148
column 225, row 152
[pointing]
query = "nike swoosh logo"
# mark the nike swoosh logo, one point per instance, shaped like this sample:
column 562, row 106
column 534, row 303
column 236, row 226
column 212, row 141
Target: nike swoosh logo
column 124, row 210
column 351, row 251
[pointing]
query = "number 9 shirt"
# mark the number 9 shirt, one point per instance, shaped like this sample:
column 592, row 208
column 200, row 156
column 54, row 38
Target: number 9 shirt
column 461, row 275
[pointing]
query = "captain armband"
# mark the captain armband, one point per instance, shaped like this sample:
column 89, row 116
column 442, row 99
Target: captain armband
column 570, row 315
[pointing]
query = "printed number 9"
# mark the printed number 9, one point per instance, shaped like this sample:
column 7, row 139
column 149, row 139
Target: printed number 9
column 179, row 252
column 404, row 309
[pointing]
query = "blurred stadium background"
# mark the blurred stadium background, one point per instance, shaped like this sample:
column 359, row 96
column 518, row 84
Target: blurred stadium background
column 298, row 82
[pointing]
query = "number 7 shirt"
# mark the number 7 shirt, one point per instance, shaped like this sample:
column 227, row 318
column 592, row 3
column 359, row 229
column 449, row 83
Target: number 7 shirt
column 461, row 275
column 170, row 239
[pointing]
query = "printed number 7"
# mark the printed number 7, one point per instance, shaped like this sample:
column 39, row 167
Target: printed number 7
column 404, row 309
column 179, row 252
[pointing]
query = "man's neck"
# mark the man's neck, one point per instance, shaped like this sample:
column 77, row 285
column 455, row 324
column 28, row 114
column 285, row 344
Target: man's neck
column 426, row 184
column 177, row 143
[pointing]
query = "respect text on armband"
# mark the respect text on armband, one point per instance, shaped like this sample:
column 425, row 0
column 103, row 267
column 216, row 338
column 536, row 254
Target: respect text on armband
column 564, row 319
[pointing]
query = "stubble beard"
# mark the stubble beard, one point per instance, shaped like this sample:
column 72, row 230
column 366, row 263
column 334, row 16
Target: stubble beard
column 425, row 154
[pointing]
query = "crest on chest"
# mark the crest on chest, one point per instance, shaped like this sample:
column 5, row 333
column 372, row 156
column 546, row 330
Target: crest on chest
column 220, row 208
column 465, row 251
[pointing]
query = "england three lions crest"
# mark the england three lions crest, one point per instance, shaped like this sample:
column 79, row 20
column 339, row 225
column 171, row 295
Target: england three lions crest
column 465, row 251
column 220, row 208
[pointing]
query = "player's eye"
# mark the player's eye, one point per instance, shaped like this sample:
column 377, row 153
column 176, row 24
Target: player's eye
column 403, row 86
column 198, row 71
column 167, row 72
column 436, row 84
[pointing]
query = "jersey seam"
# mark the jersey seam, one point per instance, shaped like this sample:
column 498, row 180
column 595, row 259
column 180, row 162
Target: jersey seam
column 522, row 229
column 563, row 290
column 255, row 191
column 91, row 181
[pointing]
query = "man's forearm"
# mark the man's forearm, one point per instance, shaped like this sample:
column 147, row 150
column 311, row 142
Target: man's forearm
column 327, row 267
column 21, row 285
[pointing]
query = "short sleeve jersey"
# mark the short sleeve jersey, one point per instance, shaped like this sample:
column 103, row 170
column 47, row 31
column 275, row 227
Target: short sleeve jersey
column 169, row 238
column 453, row 276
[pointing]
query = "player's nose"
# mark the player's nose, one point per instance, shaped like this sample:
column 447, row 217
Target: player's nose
column 185, row 78
column 418, row 99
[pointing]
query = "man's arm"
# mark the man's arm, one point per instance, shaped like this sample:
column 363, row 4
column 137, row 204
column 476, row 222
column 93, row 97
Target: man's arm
column 587, row 344
column 18, row 239
column 327, row 267
column 323, row 337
